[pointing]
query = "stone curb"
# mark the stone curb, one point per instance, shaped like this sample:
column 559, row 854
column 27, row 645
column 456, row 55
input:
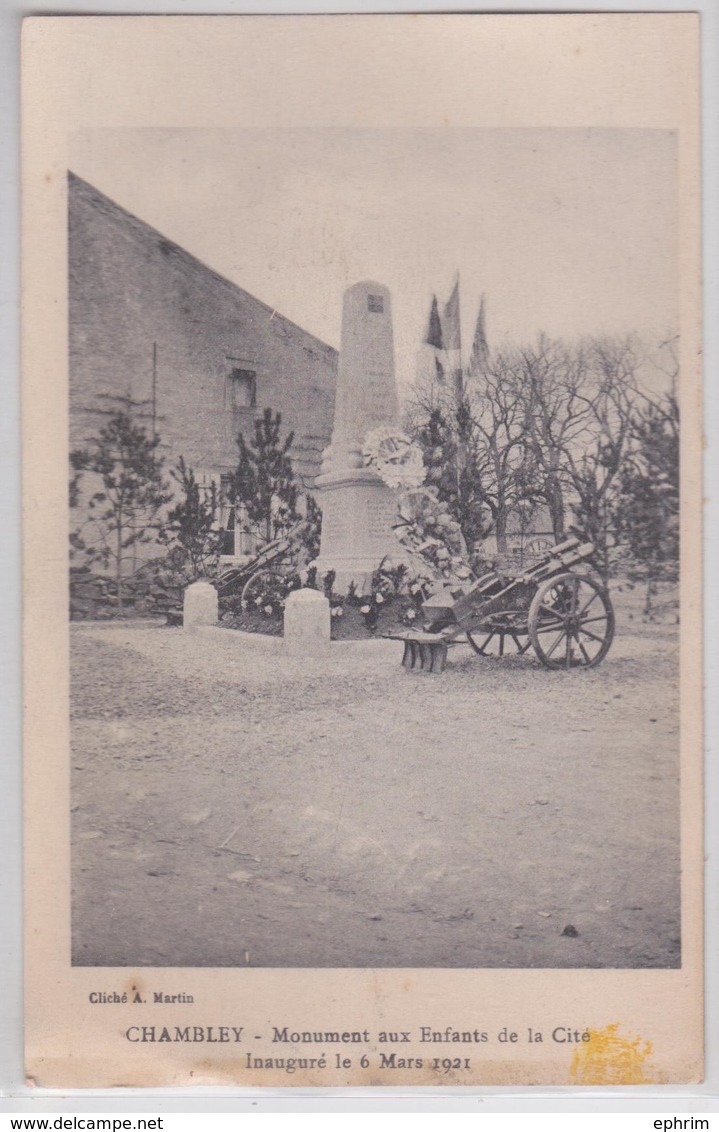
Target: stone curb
column 262, row 641
column 118, row 623
column 266, row 642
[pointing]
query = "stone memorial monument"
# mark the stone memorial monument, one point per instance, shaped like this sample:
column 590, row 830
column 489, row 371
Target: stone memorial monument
column 358, row 509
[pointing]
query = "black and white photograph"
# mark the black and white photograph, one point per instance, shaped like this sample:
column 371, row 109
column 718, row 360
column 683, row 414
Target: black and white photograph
column 362, row 506
column 374, row 548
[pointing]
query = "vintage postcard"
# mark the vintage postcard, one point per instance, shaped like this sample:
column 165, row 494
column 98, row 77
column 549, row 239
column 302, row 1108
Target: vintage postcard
column 363, row 550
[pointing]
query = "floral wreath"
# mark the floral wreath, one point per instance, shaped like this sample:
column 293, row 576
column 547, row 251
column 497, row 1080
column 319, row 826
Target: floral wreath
column 395, row 458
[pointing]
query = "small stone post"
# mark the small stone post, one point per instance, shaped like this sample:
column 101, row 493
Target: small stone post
column 307, row 623
column 200, row 605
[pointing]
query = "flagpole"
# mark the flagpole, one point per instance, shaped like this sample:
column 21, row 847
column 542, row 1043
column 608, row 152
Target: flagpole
column 459, row 326
column 459, row 393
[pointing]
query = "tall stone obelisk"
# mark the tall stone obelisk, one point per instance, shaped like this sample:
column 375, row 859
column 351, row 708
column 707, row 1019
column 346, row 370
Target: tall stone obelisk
column 358, row 509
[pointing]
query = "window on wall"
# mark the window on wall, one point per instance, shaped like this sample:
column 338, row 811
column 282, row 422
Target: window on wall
column 242, row 389
column 375, row 304
column 236, row 539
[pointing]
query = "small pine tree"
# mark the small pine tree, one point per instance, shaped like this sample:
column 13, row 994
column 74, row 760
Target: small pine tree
column 125, row 512
column 647, row 509
column 439, row 445
column 313, row 515
column 192, row 530
column 593, row 479
column 450, row 456
column 263, row 484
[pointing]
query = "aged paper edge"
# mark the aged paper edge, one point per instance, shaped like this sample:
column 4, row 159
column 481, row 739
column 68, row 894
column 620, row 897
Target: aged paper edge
column 52, row 1060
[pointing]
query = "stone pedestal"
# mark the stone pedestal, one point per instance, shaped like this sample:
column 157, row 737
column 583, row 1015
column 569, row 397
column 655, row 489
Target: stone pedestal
column 358, row 509
column 357, row 516
column 200, row 605
column 307, row 623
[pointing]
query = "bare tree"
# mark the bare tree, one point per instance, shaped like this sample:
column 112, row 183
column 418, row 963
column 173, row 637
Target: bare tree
column 502, row 462
column 578, row 410
column 552, row 377
column 545, row 424
column 607, row 397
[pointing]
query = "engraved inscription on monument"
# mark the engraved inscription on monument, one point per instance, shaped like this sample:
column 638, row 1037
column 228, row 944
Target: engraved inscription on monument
column 381, row 513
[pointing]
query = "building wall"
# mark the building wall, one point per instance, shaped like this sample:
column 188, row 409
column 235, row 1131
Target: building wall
column 134, row 294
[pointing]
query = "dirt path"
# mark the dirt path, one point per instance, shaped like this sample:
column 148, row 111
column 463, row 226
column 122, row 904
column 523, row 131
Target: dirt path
column 232, row 806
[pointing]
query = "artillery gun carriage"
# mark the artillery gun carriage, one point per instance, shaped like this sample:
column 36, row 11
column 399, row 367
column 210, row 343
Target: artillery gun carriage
column 558, row 608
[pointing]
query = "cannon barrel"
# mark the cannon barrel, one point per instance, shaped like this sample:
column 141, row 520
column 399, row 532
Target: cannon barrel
column 452, row 604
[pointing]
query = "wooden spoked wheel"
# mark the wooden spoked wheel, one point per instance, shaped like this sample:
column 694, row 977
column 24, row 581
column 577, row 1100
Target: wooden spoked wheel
column 502, row 626
column 270, row 584
column 571, row 622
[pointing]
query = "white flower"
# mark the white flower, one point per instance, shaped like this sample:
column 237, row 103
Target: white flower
column 268, row 609
column 379, row 599
column 258, row 601
column 411, row 614
column 364, row 609
column 336, row 611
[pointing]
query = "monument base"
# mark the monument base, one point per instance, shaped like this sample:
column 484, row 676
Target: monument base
column 357, row 573
column 358, row 513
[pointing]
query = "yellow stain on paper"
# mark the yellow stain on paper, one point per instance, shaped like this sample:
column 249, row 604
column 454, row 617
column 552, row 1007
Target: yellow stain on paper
column 611, row 1058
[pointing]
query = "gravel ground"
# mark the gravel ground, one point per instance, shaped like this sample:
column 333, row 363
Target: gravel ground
column 234, row 806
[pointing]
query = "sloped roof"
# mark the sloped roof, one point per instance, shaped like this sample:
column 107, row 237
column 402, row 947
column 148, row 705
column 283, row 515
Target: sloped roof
column 78, row 187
